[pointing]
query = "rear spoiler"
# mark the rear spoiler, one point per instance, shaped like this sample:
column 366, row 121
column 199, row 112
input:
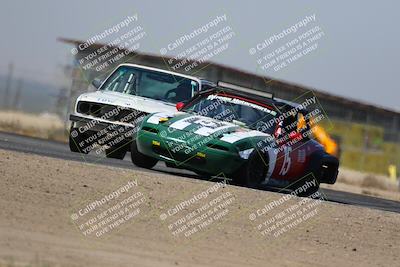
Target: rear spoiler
column 245, row 89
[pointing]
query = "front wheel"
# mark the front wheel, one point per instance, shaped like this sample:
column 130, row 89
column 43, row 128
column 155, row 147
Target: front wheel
column 75, row 139
column 116, row 152
column 253, row 173
column 140, row 159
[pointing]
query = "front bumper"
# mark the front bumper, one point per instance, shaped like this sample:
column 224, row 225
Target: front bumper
column 325, row 168
column 210, row 160
column 89, row 123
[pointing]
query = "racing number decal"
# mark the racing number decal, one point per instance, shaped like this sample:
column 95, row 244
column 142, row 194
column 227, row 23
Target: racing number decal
column 286, row 161
column 207, row 123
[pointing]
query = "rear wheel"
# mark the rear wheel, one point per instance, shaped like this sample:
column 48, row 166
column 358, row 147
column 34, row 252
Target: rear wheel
column 140, row 159
column 253, row 173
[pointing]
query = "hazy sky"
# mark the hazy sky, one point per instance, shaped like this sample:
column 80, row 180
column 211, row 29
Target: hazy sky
column 358, row 57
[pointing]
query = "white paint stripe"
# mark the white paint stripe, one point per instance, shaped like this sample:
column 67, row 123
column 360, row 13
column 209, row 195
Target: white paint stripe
column 155, row 119
column 206, row 131
column 234, row 137
column 230, row 138
column 180, row 125
column 203, row 131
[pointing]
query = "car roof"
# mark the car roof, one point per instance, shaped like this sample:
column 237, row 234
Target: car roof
column 158, row 70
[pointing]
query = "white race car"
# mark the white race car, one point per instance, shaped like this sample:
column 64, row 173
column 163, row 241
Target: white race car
column 105, row 120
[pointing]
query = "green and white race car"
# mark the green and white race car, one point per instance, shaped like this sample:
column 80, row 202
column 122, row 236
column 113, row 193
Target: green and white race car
column 233, row 134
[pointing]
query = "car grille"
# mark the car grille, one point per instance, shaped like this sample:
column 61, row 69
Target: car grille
column 110, row 112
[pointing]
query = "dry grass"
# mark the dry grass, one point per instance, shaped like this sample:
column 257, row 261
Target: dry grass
column 366, row 180
column 374, row 182
column 46, row 126
column 367, row 184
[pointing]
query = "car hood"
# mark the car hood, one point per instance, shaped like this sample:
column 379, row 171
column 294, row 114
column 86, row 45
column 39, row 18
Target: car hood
column 140, row 103
column 176, row 123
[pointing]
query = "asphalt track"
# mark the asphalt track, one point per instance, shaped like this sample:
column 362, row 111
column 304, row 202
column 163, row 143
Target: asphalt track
column 61, row 151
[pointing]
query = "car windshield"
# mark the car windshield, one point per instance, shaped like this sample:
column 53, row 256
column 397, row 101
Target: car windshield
column 241, row 111
column 151, row 84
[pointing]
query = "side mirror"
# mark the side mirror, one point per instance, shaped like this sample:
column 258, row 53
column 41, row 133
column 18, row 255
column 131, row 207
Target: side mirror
column 179, row 105
column 97, row 82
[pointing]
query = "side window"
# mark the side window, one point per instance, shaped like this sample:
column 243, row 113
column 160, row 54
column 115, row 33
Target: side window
column 153, row 88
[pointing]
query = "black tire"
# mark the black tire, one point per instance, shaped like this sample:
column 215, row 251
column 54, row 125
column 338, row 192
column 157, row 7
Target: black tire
column 116, row 152
column 74, row 141
column 140, row 159
column 253, row 172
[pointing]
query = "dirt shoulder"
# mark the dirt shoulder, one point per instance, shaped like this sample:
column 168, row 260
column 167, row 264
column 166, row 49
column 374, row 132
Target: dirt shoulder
column 366, row 184
column 46, row 205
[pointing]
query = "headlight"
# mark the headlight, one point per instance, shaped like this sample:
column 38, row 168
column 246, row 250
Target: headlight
column 244, row 154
